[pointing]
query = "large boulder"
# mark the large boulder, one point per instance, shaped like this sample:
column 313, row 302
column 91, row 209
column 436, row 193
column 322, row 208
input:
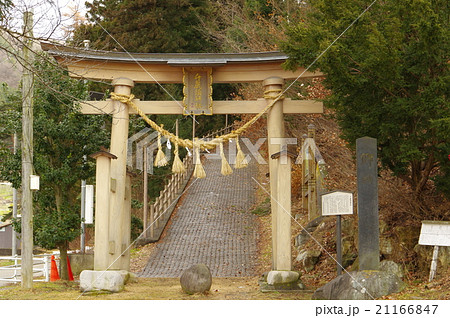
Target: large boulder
column 305, row 235
column 308, row 259
column 391, row 267
column 362, row 285
column 111, row 281
column 196, row 279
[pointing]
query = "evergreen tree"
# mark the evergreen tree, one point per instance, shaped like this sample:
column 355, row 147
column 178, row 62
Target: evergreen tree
column 147, row 26
column 4, row 6
column 62, row 136
column 389, row 78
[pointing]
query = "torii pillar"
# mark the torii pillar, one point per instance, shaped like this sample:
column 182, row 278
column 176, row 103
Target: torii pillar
column 280, row 193
column 119, row 205
column 275, row 129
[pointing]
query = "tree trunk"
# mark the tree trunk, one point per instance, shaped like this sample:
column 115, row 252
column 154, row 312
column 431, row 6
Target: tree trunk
column 63, row 247
column 63, row 271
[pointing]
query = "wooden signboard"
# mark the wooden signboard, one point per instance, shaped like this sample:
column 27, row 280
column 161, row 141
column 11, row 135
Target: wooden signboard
column 337, row 203
column 436, row 233
column 197, row 90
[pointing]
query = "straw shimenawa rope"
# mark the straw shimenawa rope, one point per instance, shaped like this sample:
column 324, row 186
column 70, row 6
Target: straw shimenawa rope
column 226, row 169
column 241, row 160
column 203, row 144
column 160, row 159
column 199, row 171
column 178, row 166
column 197, row 144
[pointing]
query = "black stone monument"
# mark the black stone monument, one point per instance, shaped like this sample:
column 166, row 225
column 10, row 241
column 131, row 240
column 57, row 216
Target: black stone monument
column 368, row 222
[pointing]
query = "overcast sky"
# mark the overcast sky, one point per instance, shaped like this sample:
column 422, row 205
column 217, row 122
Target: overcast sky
column 50, row 16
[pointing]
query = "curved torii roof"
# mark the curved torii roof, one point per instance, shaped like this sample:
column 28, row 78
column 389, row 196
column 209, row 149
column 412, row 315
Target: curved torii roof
column 168, row 67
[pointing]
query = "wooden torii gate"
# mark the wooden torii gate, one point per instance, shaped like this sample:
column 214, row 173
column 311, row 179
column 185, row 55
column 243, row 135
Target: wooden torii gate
column 112, row 229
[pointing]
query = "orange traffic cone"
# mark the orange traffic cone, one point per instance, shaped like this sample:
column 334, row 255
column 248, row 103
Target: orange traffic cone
column 69, row 269
column 54, row 276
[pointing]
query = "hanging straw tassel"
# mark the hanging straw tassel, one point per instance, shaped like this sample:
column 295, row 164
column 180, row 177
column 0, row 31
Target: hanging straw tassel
column 226, row 169
column 199, row 172
column 241, row 160
column 160, row 159
column 177, row 166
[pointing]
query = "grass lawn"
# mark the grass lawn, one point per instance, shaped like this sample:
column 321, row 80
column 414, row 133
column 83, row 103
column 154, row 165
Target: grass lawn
column 222, row 289
column 153, row 289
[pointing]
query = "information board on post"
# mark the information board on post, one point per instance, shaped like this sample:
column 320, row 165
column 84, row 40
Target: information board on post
column 337, row 203
column 435, row 233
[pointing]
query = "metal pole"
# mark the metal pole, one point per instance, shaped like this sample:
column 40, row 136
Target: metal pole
column 145, row 174
column 27, row 154
column 14, row 211
column 83, row 215
column 339, row 244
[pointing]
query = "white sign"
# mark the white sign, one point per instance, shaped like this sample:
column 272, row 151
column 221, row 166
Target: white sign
column 436, row 233
column 337, row 203
column 89, row 205
column 34, row 182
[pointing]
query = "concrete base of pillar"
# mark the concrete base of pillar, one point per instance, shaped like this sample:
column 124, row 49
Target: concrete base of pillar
column 281, row 281
column 105, row 281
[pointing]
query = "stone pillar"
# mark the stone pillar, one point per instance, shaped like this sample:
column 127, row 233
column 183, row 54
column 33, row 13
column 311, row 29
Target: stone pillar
column 283, row 256
column 119, row 136
column 126, row 225
column 368, row 223
column 102, row 190
column 275, row 129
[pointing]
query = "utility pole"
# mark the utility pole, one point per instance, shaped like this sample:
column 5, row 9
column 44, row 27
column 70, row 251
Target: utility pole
column 14, row 211
column 27, row 153
column 83, row 189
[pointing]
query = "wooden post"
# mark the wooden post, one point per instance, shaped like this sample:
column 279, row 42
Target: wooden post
column 119, row 136
column 102, row 200
column 339, row 244
column 433, row 263
column 312, row 178
column 312, row 193
column 304, row 150
column 27, row 154
column 275, row 129
column 152, row 219
column 311, row 131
